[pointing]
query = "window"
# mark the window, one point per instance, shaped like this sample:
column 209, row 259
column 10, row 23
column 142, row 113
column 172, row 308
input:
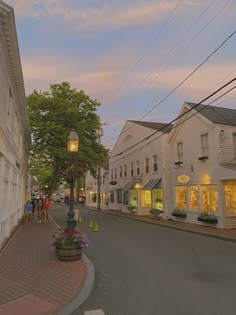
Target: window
column 230, row 198
column 115, row 173
column 154, row 163
column 137, row 167
column 180, row 151
column 209, row 197
column 194, row 194
column 9, row 110
column 133, row 198
column 119, row 195
column 181, row 197
column 125, row 170
column 132, row 169
column 111, row 174
column 204, row 144
column 157, row 196
column 126, row 198
column 147, row 165
column 120, row 171
column 234, row 145
column 112, row 196
column 146, row 200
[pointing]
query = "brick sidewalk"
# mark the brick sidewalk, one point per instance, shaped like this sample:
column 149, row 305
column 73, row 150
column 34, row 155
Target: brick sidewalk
column 224, row 234
column 32, row 279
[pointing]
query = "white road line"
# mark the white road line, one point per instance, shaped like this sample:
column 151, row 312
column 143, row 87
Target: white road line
column 94, row 312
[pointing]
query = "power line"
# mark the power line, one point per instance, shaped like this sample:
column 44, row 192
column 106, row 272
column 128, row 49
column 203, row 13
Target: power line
column 181, row 83
column 175, row 126
column 182, row 115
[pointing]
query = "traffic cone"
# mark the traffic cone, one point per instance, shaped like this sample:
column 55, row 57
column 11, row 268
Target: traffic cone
column 90, row 223
column 80, row 219
column 95, row 227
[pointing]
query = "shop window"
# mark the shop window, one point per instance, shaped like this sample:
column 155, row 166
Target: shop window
column 230, row 199
column 157, row 197
column 194, row 196
column 112, row 196
column 180, row 151
column 204, row 144
column 119, row 195
column 234, row 145
column 181, row 197
column 125, row 198
column 146, row 200
column 155, row 169
column 133, row 198
column 209, row 198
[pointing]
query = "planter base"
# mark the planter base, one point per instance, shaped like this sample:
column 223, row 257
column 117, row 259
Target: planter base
column 69, row 253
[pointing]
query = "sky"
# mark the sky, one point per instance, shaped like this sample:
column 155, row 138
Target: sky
column 130, row 54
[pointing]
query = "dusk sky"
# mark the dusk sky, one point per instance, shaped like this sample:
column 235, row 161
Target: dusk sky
column 128, row 54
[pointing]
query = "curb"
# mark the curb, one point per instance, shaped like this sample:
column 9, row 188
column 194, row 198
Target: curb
column 220, row 237
column 85, row 290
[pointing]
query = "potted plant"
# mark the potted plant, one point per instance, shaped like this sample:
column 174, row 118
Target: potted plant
column 69, row 244
column 156, row 212
column 132, row 208
column 180, row 213
column 208, row 217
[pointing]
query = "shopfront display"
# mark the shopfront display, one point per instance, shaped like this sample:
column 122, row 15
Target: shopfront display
column 230, row 198
column 133, row 198
column 181, row 197
column 209, row 196
column 157, row 197
column 194, row 197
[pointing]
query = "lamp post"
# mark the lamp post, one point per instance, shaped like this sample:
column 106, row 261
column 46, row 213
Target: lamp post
column 73, row 147
column 100, row 134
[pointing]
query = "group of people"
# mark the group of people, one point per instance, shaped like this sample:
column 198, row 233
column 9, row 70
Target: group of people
column 41, row 207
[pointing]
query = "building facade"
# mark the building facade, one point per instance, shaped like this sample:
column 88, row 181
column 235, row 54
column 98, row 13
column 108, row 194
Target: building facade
column 203, row 165
column 15, row 137
column 139, row 175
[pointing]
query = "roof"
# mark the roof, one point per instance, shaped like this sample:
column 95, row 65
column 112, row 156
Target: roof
column 217, row 115
column 105, row 165
column 154, row 125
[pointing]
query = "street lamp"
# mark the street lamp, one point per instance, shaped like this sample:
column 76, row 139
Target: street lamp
column 73, row 147
column 99, row 134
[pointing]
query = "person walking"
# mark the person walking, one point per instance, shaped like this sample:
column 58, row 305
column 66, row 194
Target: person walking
column 28, row 210
column 39, row 209
column 46, row 209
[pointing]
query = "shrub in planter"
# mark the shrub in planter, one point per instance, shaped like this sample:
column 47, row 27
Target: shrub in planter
column 179, row 213
column 207, row 217
column 155, row 211
column 132, row 208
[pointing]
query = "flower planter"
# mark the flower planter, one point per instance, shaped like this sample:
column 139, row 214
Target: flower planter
column 208, row 220
column 69, row 252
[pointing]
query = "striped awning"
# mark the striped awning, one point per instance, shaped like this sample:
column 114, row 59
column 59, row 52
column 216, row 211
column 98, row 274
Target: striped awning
column 128, row 186
column 152, row 183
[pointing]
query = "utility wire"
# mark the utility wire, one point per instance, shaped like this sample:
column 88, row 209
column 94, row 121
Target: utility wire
column 175, row 126
column 172, row 121
column 181, row 83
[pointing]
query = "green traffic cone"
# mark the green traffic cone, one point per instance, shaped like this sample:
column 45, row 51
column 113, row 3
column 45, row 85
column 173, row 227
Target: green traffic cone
column 95, row 227
column 90, row 223
column 80, row 219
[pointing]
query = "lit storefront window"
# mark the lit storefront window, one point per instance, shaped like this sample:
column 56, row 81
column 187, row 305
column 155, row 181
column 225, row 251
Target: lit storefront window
column 194, row 196
column 181, row 197
column 146, row 198
column 157, row 196
column 230, row 199
column 209, row 198
column 133, row 198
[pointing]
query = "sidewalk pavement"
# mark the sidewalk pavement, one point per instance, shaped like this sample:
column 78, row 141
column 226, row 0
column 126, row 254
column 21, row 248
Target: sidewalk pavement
column 205, row 230
column 32, row 279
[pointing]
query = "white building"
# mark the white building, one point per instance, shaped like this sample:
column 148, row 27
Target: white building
column 203, row 164
column 15, row 137
column 139, row 175
column 91, row 188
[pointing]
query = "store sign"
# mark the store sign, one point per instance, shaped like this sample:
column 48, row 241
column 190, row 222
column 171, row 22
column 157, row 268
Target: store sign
column 183, row 179
column 113, row 182
column 136, row 179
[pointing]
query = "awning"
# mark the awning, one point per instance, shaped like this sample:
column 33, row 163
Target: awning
column 152, row 184
column 128, row 187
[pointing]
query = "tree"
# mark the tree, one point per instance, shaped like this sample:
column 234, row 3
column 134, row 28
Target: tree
column 53, row 114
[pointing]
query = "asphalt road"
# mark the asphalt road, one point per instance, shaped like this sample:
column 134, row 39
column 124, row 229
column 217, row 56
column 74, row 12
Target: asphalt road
column 144, row 269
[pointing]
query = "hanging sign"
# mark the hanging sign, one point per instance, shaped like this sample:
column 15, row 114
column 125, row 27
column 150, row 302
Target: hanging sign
column 183, row 179
column 113, row 182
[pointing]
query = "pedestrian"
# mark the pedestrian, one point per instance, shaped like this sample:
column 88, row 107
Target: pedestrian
column 46, row 209
column 28, row 210
column 33, row 204
column 39, row 209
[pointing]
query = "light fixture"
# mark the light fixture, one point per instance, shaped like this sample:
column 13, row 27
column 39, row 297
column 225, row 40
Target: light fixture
column 73, row 142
